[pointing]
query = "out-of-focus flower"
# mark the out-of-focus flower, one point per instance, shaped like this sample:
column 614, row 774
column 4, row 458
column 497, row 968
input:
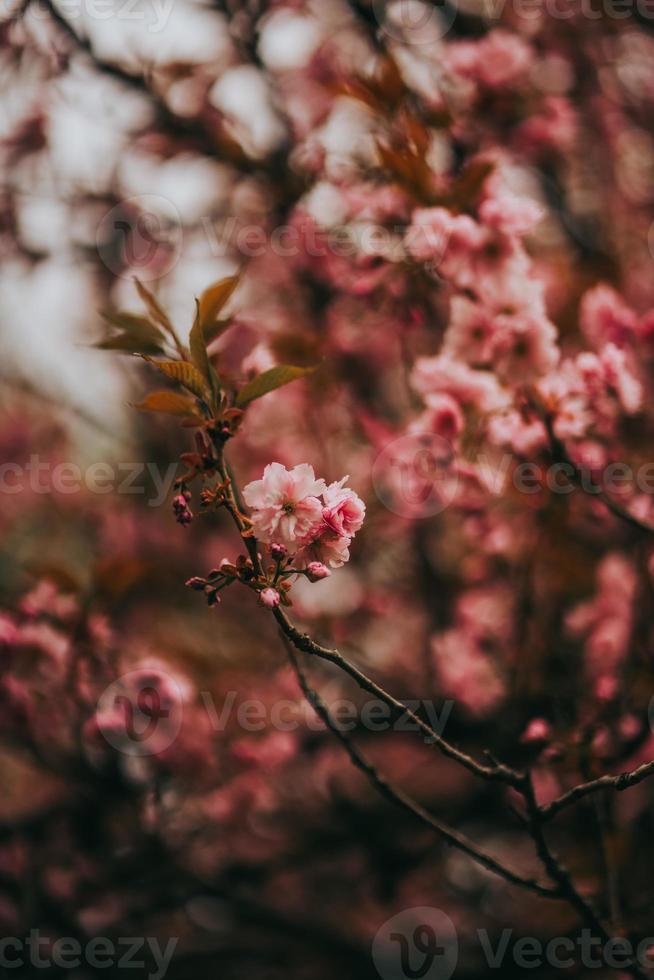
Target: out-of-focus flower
column 538, row 730
column 499, row 59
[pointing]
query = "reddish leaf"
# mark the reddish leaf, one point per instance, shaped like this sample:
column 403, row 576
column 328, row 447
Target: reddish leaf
column 187, row 375
column 169, row 402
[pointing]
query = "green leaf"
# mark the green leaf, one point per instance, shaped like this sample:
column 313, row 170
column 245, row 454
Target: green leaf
column 270, row 380
column 187, row 375
column 214, row 298
column 132, row 334
column 155, row 309
column 169, row 402
column 198, row 346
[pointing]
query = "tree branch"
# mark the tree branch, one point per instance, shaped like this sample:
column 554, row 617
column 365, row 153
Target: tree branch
column 621, row 782
column 400, row 798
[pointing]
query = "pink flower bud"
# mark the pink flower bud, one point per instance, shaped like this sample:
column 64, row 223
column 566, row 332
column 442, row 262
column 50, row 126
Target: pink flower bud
column 316, row 571
column 536, row 731
column 278, row 551
column 269, row 598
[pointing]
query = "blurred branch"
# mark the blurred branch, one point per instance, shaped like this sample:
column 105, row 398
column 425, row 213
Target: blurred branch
column 205, row 137
column 619, row 783
column 23, row 387
column 562, row 877
column 561, row 455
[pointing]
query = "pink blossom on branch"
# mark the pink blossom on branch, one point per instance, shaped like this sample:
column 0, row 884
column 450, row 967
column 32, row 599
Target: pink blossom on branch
column 344, row 511
column 285, row 505
column 287, row 513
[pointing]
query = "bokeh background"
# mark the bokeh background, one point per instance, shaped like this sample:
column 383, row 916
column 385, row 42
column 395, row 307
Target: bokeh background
column 181, row 142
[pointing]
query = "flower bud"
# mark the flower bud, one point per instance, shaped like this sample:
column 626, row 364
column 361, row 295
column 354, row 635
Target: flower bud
column 269, row 598
column 537, row 730
column 316, row 571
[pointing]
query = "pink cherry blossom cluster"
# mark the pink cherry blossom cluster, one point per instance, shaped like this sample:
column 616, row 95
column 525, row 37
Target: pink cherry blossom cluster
column 313, row 521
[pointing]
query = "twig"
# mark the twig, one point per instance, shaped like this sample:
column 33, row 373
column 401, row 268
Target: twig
column 497, row 772
column 559, row 874
column 399, row 797
column 621, row 782
column 202, row 133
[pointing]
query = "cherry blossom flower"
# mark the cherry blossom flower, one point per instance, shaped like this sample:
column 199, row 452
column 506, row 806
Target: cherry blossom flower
column 285, row 505
column 443, row 417
column 470, row 333
column 444, row 374
column 524, row 348
column 605, row 317
column 510, row 214
column 344, row 511
column 325, row 547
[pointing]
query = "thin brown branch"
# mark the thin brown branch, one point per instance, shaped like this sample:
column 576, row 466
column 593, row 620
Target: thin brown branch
column 400, row 798
column 497, row 772
column 560, row 874
column 619, row 783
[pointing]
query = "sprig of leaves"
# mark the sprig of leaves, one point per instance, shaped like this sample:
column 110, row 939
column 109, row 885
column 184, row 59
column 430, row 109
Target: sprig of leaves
column 213, row 397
